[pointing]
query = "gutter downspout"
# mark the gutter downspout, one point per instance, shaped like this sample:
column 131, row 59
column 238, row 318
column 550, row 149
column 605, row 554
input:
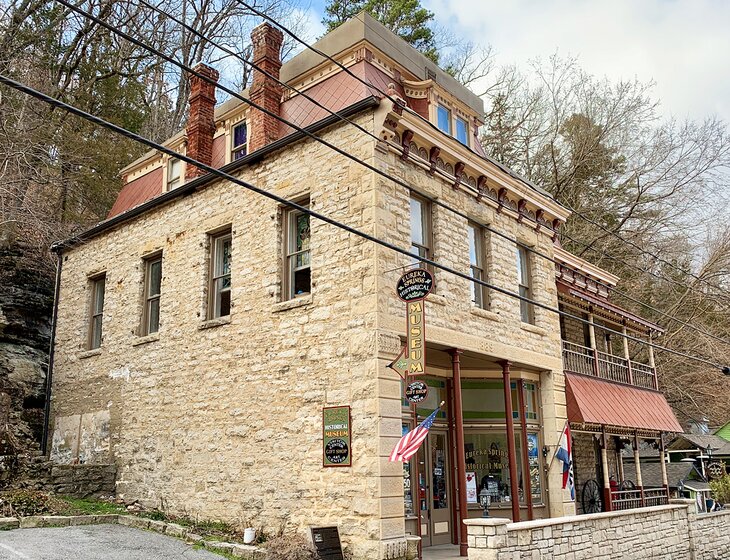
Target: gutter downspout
column 51, row 353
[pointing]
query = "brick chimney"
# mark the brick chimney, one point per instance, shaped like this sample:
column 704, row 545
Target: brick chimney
column 263, row 128
column 201, row 119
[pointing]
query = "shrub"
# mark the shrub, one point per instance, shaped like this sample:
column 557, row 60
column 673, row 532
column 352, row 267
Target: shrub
column 290, row 546
column 721, row 489
column 29, row 502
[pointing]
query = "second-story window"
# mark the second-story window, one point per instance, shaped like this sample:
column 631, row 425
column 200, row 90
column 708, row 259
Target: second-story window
column 527, row 314
column 443, row 119
column 219, row 304
column 239, row 143
column 96, row 311
column 152, row 290
column 174, row 173
column 476, row 261
column 462, row 131
column 297, row 236
column 420, row 229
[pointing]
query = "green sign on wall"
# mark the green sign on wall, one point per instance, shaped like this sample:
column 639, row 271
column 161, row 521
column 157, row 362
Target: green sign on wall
column 336, row 437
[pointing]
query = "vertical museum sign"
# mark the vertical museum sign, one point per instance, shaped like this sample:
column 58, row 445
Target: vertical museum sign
column 336, row 437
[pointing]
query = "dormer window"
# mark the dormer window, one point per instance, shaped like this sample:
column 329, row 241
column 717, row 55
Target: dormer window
column 462, row 131
column 444, row 119
column 239, row 144
column 174, row 174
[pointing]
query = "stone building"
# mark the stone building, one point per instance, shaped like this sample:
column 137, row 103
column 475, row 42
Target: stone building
column 203, row 329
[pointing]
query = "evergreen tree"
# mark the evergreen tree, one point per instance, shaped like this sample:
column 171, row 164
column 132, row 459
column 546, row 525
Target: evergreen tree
column 406, row 18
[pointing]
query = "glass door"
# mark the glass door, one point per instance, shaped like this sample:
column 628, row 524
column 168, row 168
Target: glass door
column 439, row 490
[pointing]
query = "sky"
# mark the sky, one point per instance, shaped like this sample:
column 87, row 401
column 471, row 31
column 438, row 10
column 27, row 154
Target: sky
column 681, row 45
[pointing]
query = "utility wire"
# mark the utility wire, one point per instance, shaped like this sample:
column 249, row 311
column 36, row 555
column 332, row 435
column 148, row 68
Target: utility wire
column 4, row 80
column 183, row 67
column 376, row 138
column 504, row 168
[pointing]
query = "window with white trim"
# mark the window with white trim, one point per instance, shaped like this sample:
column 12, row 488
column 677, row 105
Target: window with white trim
column 97, row 285
column 527, row 312
column 239, row 141
column 297, row 256
column 219, row 289
column 152, row 290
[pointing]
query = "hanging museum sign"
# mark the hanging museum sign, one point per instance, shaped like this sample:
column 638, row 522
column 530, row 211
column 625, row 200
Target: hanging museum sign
column 336, row 437
column 414, row 285
column 412, row 288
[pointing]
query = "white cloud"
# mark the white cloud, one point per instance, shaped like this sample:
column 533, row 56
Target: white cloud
column 683, row 45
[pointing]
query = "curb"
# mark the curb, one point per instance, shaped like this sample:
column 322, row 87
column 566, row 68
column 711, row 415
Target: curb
column 244, row 551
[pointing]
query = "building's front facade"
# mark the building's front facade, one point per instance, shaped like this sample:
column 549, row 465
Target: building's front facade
column 203, row 328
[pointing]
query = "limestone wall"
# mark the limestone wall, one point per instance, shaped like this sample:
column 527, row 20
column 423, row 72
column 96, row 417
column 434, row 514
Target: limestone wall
column 223, row 419
column 671, row 532
column 711, row 535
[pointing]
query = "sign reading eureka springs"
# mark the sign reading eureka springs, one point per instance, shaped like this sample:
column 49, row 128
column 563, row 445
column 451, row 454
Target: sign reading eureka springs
column 336, row 437
column 412, row 288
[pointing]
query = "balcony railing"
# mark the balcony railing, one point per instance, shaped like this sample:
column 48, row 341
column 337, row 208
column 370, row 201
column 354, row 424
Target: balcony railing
column 630, row 499
column 588, row 361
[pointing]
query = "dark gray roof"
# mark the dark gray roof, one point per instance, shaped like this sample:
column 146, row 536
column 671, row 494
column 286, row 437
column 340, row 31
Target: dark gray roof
column 718, row 445
column 651, row 473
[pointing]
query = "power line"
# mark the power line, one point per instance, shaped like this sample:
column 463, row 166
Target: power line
column 435, row 202
column 498, row 164
column 291, row 204
column 184, row 67
column 642, row 250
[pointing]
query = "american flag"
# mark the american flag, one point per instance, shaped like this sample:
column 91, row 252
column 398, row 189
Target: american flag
column 410, row 442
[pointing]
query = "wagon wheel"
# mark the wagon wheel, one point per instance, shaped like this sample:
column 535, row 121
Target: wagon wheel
column 591, row 499
column 627, row 485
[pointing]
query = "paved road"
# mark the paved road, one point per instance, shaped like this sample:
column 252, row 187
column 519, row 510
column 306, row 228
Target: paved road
column 95, row 542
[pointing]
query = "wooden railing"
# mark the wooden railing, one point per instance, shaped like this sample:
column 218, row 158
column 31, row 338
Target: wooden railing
column 631, row 499
column 588, row 361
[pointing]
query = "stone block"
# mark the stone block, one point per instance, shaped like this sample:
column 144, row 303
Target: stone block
column 157, row 526
column 134, row 521
column 175, row 530
column 7, row 523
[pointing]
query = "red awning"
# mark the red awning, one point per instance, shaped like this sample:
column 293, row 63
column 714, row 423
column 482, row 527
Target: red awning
column 595, row 401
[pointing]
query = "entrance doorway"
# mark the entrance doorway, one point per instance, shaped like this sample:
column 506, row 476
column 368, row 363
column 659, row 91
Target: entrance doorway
column 436, row 523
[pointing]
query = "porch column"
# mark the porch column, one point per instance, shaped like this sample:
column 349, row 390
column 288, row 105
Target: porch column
column 637, row 464
column 460, row 455
column 594, row 347
column 652, row 364
column 662, row 453
column 606, row 477
column 511, row 450
column 627, row 354
column 526, row 479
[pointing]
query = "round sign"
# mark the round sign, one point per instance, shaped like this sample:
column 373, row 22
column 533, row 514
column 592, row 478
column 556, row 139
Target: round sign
column 416, row 392
column 336, row 451
column 715, row 470
column 414, row 285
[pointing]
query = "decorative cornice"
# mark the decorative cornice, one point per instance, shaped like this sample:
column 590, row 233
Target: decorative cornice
column 417, row 141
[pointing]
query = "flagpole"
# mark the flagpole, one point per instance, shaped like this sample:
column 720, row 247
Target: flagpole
column 555, row 453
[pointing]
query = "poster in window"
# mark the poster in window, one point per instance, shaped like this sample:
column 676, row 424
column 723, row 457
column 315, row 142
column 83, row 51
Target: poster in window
column 336, row 437
column 471, row 488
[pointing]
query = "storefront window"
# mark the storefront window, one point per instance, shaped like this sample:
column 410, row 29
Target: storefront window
column 487, row 458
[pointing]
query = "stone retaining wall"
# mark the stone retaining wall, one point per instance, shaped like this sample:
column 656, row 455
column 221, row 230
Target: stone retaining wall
column 671, row 532
column 77, row 481
column 710, row 535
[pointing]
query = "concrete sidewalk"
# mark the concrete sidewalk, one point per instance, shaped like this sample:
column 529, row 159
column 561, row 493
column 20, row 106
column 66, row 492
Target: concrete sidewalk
column 95, row 542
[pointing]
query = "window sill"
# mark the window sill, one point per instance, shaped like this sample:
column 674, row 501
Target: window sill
column 89, row 353
column 533, row 329
column 146, row 339
column 300, row 301
column 212, row 323
column 485, row 314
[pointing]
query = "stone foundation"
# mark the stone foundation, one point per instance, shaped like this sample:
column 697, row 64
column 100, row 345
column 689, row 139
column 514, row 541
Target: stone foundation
column 671, row 532
column 76, row 481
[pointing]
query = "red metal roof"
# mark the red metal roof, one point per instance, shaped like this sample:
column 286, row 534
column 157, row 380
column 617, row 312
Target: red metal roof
column 594, row 401
column 137, row 192
column 335, row 93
